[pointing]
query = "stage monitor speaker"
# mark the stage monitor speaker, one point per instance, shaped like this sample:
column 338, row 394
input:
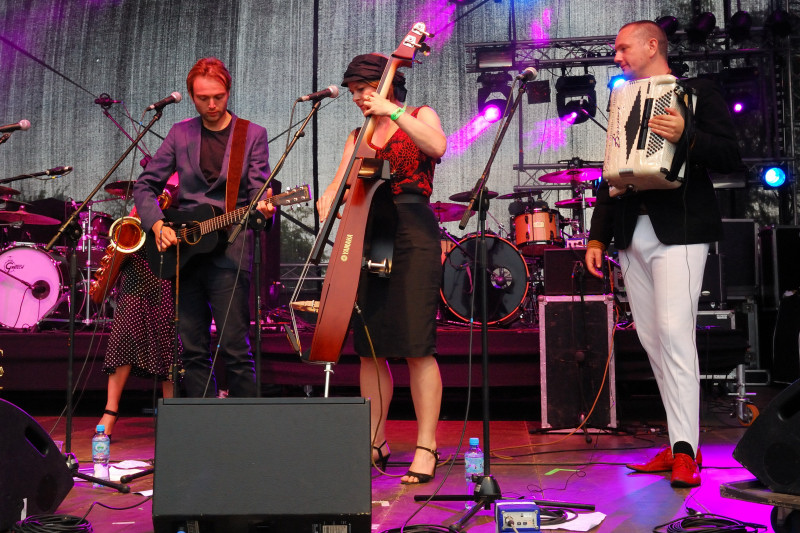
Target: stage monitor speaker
column 262, row 464
column 34, row 476
column 770, row 448
column 574, row 344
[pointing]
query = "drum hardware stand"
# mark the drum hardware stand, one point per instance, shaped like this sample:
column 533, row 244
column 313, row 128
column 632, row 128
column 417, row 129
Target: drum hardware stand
column 72, row 231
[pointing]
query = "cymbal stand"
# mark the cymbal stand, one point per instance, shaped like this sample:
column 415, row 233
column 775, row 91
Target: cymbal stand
column 85, row 245
column 72, row 231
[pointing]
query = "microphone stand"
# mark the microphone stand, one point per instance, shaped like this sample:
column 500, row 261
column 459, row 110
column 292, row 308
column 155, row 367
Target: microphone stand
column 258, row 223
column 487, row 490
column 72, row 230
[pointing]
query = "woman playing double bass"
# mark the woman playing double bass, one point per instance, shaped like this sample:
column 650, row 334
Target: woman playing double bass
column 400, row 311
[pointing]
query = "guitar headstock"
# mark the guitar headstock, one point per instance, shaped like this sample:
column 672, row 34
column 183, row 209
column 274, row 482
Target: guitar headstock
column 293, row 196
column 413, row 42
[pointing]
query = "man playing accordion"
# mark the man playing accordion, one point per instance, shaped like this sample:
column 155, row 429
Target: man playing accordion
column 663, row 237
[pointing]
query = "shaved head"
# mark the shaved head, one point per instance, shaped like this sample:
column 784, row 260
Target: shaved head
column 646, row 30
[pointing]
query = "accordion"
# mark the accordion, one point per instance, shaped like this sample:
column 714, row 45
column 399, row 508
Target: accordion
column 636, row 158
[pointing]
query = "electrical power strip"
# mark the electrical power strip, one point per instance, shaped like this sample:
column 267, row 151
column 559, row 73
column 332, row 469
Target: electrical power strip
column 523, row 516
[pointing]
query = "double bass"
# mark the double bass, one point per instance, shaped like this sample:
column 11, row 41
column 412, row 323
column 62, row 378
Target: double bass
column 364, row 176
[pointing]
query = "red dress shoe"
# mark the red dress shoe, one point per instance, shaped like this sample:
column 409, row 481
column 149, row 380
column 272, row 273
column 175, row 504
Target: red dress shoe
column 662, row 462
column 685, row 471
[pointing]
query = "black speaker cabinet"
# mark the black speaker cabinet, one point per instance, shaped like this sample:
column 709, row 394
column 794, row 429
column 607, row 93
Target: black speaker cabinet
column 739, row 251
column 770, row 448
column 33, row 473
column 564, row 273
column 278, row 465
column 780, row 254
column 574, row 341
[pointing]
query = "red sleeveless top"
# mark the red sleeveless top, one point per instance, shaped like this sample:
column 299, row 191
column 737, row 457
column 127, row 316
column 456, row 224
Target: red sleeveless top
column 412, row 170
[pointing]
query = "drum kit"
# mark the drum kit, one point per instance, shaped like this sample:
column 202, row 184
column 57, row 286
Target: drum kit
column 515, row 258
column 34, row 283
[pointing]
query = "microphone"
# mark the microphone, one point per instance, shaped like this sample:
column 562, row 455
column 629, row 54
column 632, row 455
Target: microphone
column 58, row 171
column 332, row 91
column 106, row 101
column 174, row 98
column 529, row 74
column 21, row 125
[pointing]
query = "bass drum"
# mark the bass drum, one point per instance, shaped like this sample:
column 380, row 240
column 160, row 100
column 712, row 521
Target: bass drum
column 31, row 282
column 507, row 280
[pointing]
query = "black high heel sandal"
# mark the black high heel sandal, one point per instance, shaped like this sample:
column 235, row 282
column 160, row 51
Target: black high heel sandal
column 423, row 478
column 382, row 460
column 112, row 413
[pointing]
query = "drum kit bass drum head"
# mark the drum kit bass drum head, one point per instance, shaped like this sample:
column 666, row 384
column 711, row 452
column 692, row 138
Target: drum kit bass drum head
column 34, row 283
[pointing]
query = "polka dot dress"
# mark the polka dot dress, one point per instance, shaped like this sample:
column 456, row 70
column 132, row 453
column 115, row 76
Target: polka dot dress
column 142, row 334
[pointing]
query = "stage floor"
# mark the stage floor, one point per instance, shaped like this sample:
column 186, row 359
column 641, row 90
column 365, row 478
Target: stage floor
column 527, row 466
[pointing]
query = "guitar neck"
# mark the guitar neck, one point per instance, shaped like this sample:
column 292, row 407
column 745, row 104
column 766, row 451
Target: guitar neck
column 232, row 217
column 222, row 221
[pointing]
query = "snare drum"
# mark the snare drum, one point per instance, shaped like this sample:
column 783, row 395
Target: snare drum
column 31, row 284
column 537, row 231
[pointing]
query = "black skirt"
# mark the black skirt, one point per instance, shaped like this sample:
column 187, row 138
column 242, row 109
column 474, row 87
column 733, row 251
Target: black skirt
column 400, row 311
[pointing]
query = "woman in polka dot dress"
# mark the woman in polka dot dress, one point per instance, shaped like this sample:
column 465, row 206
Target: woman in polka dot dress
column 142, row 335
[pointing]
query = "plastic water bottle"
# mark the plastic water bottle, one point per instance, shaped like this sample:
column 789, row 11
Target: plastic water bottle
column 473, row 465
column 101, row 453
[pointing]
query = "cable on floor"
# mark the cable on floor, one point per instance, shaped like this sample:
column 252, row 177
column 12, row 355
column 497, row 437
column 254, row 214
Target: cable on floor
column 708, row 523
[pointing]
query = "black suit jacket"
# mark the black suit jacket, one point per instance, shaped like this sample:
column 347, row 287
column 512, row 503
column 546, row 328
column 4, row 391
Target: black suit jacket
column 688, row 214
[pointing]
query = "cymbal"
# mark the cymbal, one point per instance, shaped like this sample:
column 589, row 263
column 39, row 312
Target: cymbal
column 521, row 194
column 7, row 191
column 466, row 195
column 7, row 204
column 446, row 212
column 26, row 218
column 572, row 175
column 575, row 203
column 123, row 189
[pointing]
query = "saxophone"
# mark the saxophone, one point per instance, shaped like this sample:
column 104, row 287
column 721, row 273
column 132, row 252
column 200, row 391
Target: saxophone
column 126, row 236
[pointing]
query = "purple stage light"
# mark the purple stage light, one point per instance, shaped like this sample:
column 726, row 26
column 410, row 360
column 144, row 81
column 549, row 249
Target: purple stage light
column 492, row 113
column 738, row 107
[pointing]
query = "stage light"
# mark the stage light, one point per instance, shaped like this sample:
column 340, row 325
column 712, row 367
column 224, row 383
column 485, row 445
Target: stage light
column 538, row 91
column 740, row 88
column 493, row 94
column 773, row 177
column 494, row 58
column 669, row 24
column 576, row 99
column 701, row 27
column 739, row 26
column 492, row 110
column 616, row 81
column 779, row 23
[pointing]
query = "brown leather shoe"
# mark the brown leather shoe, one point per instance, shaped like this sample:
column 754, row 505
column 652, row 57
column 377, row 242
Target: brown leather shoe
column 685, row 471
column 662, row 462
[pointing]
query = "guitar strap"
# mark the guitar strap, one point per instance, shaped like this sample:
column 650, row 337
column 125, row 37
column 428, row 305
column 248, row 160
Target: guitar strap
column 235, row 163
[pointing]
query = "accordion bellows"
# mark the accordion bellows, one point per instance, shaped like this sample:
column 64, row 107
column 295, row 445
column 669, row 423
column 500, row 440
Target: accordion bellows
column 636, row 158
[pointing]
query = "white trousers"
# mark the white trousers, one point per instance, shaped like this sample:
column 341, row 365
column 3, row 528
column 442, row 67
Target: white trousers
column 663, row 284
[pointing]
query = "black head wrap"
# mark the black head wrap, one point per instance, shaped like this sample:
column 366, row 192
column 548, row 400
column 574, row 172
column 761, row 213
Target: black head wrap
column 369, row 67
